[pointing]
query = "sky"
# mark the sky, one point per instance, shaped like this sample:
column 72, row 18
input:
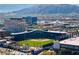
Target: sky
column 14, row 7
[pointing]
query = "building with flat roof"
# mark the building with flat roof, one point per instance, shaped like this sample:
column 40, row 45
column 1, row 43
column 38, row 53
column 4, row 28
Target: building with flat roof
column 71, row 43
column 4, row 33
column 15, row 25
column 30, row 20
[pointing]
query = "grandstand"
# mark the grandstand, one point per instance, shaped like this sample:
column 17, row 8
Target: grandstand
column 39, row 34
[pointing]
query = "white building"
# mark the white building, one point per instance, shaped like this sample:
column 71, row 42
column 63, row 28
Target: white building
column 15, row 25
column 71, row 43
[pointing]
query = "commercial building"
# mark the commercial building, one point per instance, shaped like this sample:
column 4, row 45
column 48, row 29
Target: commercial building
column 71, row 43
column 4, row 33
column 68, row 46
column 15, row 25
column 30, row 20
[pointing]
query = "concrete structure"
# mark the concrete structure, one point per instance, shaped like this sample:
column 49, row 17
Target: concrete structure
column 30, row 20
column 71, row 43
column 39, row 34
column 4, row 33
column 15, row 25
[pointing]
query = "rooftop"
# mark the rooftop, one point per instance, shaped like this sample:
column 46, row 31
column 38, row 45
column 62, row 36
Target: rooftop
column 71, row 41
column 57, row 31
column 38, row 30
column 2, row 30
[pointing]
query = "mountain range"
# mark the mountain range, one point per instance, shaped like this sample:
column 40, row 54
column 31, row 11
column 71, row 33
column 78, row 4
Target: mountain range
column 45, row 9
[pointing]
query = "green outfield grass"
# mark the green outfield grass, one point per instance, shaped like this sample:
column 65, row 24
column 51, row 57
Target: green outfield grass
column 35, row 42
